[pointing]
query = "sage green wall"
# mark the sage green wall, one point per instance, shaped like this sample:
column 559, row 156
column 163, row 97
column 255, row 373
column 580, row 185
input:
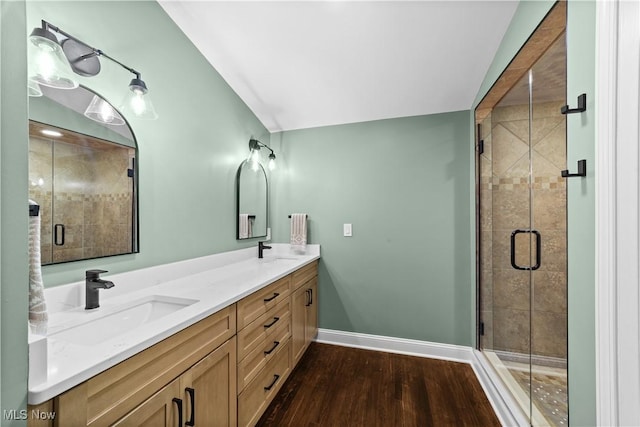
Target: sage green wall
column 13, row 209
column 189, row 156
column 581, row 41
column 580, row 192
column 403, row 184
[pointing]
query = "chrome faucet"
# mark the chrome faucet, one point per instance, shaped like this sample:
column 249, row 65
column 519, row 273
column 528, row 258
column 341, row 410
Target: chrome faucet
column 93, row 282
column 261, row 248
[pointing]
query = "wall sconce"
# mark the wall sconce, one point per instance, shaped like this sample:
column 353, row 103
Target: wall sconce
column 52, row 62
column 254, row 155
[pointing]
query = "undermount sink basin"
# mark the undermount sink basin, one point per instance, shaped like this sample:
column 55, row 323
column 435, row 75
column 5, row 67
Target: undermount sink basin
column 279, row 260
column 129, row 317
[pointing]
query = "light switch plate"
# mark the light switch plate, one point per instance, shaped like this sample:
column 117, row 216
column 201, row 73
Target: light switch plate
column 347, row 230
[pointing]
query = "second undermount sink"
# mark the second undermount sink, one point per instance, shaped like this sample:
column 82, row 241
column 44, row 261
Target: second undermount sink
column 129, row 317
column 278, row 260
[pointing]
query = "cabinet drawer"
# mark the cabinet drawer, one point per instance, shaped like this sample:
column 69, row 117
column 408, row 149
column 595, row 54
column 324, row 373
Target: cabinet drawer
column 249, row 367
column 258, row 393
column 103, row 399
column 303, row 275
column 255, row 334
column 257, row 304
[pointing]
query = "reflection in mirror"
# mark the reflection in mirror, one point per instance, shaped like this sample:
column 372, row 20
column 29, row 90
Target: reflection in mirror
column 252, row 201
column 82, row 174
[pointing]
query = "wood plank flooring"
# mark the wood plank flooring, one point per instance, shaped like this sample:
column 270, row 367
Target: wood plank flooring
column 342, row 386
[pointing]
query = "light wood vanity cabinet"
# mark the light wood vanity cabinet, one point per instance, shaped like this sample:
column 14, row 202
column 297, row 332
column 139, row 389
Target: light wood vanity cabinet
column 121, row 390
column 204, row 395
column 266, row 353
column 160, row 410
column 304, row 316
column 206, row 373
column 263, row 348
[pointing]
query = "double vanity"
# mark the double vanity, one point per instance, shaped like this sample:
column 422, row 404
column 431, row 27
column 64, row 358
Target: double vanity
column 208, row 341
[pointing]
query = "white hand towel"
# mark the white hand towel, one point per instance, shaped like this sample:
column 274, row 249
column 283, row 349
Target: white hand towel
column 38, row 317
column 299, row 232
column 245, row 226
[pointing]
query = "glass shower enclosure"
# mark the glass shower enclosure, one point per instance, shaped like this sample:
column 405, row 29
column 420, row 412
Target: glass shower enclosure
column 522, row 239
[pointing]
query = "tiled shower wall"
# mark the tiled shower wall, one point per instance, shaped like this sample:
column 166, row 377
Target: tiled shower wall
column 518, row 315
column 87, row 189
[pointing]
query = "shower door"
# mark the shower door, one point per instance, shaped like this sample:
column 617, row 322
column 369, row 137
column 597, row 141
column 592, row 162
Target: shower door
column 522, row 256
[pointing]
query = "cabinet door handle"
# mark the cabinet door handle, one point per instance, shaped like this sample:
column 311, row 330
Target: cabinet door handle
column 275, row 295
column 276, row 377
column 58, row 234
column 308, row 292
column 192, row 397
column 178, row 403
column 311, row 295
column 268, row 325
column 275, row 344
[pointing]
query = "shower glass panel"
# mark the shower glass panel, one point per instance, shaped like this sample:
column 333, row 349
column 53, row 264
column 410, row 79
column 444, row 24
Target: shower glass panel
column 523, row 274
column 86, row 197
column 92, row 200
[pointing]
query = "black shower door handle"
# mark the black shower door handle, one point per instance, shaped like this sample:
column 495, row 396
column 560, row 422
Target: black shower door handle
column 538, row 249
column 58, row 234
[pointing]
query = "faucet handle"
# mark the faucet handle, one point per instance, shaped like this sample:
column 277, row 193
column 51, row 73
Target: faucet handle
column 94, row 274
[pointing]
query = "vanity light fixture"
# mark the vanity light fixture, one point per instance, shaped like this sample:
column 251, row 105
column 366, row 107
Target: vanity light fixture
column 254, row 155
column 56, row 53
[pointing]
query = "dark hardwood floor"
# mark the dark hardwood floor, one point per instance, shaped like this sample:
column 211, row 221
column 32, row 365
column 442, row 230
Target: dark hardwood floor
column 342, row 386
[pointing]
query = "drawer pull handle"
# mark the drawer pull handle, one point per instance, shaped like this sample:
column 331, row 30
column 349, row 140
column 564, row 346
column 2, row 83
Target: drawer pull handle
column 192, row 397
column 268, row 325
column 275, row 344
column 178, row 402
column 275, row 295
column 276, row 377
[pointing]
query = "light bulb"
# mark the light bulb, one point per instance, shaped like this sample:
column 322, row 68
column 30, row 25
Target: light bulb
column 48, row 66
column 101, row 111
column 255, row 156
column 137, row 103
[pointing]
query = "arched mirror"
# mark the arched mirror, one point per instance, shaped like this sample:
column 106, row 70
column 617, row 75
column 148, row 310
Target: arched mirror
column 83, row 176
column 252, row 201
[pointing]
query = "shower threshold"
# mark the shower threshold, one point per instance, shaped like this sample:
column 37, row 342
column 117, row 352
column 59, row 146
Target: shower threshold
column 549, row 404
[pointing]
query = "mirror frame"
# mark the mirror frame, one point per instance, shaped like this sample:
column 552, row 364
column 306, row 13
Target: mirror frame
column 238, row 195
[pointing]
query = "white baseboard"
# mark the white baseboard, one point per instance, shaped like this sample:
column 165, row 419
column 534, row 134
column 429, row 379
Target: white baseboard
column 455, row 353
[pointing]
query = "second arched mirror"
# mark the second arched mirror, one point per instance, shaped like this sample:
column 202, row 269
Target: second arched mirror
column 251, row 201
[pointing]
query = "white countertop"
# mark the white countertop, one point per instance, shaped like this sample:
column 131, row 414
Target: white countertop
column 215, row 282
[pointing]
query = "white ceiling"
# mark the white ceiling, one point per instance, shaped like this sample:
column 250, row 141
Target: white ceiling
column 301, row 64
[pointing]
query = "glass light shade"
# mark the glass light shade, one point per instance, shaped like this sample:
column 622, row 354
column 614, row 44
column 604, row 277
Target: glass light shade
column 272, row 163
column 101, row 111
column 255, row 165
column 47, row 64
column 139, row 105
column 33, row 88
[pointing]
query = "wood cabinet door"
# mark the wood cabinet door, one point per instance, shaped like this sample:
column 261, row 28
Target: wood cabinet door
column 299, row 301
column 311, row 314
column 209, row 389
column 160, row 410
